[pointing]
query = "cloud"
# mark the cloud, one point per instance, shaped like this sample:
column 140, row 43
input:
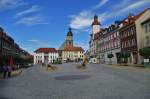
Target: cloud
column 32, row 20
column 37, row 42
column 9, row 4
column 33, row 40
column 133, row 6
column 32, row 44
column 82, row 20
column 85, row 18
column 34, row 8
column 118, row 10
column 100, row 4
column 85, row 45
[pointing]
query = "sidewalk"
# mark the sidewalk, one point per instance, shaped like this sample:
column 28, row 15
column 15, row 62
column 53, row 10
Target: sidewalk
column 13, row 73
column 129, row 67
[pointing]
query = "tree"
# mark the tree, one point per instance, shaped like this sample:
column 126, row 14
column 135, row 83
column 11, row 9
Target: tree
column 110, row 56
column 126, row 56
column 145, row 52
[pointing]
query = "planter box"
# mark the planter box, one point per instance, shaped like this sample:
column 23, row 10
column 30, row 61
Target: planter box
column 146, row 63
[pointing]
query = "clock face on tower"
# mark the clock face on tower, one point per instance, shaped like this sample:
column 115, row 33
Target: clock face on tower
column 96, row 29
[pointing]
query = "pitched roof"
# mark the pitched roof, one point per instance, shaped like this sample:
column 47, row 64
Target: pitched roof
column 46, row 50
column 72, row 48
column 132, row 19
column 140, row 14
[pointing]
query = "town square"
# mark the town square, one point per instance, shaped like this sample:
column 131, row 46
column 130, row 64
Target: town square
column 68, row 49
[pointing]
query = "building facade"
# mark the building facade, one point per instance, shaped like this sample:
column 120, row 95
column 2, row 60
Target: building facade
column 126, row 36
column 71, row 53
column 129, row 39
column 9, row 48
column 45, row 55
column 68, row 52
column 135, row 35
column 110, row 44
column 94, row 41
column 143, row 31
column 68, row 40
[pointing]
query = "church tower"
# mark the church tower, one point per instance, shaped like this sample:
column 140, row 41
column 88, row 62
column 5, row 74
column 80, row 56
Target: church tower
column 69, row 39
column 95, row 26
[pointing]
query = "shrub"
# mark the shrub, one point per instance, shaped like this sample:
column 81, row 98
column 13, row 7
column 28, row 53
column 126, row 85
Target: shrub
column 145, row 52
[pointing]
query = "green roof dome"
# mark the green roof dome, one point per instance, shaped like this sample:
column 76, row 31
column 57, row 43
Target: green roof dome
column 70, row 32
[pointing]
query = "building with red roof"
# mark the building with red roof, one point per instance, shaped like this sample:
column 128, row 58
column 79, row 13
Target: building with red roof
column 45, row 55
column 126, row 36
column 69, row 52
column 142, row 24
column 72, row 53
column 133, row 35
column 94, row 40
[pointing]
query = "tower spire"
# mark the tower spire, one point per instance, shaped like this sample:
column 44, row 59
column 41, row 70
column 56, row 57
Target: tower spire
column 70, row 29
column 70, row 32
column 96, row 22
column 95, row 17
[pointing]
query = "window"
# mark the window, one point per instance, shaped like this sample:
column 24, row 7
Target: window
column 118, row 43
column 146, row 28
column 117, row 33
column 149, row 28
column 115, row 44
column 125, row 44
column 147, row 40
column 114, row 35
column 134, row 41
column 122, row 44
column 109, row 37
column 129, row 32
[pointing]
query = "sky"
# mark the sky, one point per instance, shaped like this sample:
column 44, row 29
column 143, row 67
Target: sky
column 44, row 23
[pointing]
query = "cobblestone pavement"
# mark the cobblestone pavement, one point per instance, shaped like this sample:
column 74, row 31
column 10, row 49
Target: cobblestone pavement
column 68, row 82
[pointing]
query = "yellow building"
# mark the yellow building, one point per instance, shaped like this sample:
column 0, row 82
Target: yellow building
column 71, row 53
column 143, row 31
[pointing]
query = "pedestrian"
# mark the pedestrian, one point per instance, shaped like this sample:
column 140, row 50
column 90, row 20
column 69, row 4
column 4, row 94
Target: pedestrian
column 1, row 69
column 4, row 71
column 9, row 70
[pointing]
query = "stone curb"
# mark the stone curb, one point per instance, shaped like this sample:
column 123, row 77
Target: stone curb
column 13, row 74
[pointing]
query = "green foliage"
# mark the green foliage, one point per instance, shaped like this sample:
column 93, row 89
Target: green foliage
column 57, row 61
column 124, row 55
column 5, row 59
column 110, row 55
column 145, row 52
column 16, row 59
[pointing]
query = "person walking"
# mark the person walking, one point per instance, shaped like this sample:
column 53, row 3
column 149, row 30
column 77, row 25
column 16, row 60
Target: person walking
column 9, row 70
column 4, row 71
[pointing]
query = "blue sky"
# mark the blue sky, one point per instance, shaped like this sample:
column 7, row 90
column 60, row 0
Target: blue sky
column 44, row 23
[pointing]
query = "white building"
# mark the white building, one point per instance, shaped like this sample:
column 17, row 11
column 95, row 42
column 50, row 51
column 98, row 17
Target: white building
column 45, row 55
column 112, row 44
column 94, row 40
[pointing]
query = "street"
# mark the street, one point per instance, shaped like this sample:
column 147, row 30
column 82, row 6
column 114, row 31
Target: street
column 96, row 82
